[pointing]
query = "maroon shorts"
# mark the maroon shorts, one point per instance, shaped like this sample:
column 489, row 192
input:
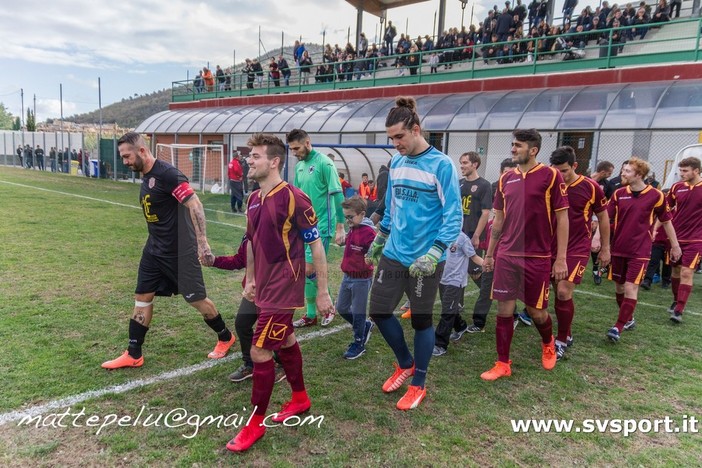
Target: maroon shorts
column 627, row 270
column 524, row 278
column 272, row 328
column 576, row 268
column 691, row 254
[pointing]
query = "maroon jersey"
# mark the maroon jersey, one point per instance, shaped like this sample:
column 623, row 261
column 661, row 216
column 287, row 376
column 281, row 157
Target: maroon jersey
column 585, row 198
column 278, row 226
column 632, row 217
column 529, row 202
column 686, row 201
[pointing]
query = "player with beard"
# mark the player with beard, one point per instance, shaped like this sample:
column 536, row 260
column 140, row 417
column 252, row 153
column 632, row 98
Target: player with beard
column 317, row 177
column 585, row 199
column 632, row 209
column 177, row 240
column 281, row 221
column 527, row 201
column 602, row 173
column 685, row 199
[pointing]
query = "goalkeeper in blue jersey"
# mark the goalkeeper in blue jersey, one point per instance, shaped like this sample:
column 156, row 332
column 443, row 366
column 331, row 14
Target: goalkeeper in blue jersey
column 423, row 217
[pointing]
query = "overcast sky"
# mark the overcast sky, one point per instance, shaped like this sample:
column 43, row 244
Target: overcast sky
column 138, row 47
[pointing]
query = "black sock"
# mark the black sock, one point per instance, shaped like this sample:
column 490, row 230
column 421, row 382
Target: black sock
column 217, row 324
column 137, row 332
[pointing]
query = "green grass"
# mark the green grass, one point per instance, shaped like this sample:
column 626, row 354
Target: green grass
column 67, row 274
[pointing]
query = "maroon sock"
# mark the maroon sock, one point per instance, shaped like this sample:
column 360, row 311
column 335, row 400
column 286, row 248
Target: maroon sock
column 545, row 329
column 684, row 291
column 291, row 359
column 504, row 330
column 620, row 298
column 675, row 287
column 626, row 312
column 564, row 313
column 263, row 380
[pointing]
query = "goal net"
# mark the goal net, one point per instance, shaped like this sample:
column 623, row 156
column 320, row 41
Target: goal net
column 203, row 165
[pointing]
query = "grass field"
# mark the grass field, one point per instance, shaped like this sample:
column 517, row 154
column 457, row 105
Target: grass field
column 70, row 249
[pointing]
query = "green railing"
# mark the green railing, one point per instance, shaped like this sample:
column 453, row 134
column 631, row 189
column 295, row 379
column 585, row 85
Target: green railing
column 371, row 72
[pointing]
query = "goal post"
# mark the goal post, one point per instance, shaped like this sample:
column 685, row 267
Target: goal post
column 203, row 165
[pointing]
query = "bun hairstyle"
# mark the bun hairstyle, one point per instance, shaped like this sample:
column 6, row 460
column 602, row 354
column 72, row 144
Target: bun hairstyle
column 405, row 112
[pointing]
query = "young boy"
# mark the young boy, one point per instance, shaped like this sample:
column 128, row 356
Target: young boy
column 358, row 275
column 453, row 281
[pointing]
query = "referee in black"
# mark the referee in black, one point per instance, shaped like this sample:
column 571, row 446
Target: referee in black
column 176, row 246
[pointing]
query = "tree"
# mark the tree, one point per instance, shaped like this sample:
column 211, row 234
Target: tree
column 6, row 119
column 31, row 121
column 17, row 125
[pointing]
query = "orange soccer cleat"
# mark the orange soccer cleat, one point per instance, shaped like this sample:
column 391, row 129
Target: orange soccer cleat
column 222, row 348
column 125, row 360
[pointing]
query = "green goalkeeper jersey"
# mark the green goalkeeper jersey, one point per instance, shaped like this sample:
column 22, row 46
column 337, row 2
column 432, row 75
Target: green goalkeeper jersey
column 318, row 178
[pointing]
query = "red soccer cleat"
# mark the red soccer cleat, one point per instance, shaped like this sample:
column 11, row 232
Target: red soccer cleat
column 246, row 438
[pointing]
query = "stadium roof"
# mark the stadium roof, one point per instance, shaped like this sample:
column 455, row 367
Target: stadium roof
column 376, row 7
column 642, row 106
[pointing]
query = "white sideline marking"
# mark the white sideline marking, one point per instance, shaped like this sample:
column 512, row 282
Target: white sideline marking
column 109, row 201
column 131, row 385
column 638, row 303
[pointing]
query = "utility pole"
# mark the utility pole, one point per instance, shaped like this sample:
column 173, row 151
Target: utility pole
column 22, row 112
column 35, row 110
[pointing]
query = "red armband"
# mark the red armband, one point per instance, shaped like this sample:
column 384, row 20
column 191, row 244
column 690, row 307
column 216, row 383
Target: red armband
column 183, row 192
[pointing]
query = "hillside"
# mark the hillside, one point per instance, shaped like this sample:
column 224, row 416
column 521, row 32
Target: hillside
column 129, row 112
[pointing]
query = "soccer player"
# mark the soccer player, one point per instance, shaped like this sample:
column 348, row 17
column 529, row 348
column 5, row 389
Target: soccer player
column 528, row 200
column 281, row 220
column 316, row 176
column 685, row 198
column 423, row 218
column 632, row 209
column 177, row 240
column 585, row 198
column 476, row 201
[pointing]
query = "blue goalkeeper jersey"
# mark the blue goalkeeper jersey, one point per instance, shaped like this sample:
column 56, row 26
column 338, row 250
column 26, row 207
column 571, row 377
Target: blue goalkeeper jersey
column 424, row 203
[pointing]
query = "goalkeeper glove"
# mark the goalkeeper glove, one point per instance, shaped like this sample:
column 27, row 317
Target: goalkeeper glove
column 426, row 264
column 376, row 248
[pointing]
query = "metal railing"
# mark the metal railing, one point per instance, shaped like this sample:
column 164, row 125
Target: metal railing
column 599, row 49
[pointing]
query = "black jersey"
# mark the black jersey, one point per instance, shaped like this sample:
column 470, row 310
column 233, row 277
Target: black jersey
column 476, row 196
column 163, row 190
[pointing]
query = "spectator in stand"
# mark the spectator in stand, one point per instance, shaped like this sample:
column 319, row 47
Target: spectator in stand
column 434, row 63
column 362, row 46
column 533, row 8
column 428, row 44
column 219, row 73
column 305, row 67
column 568, row 8
column 258, row 70
column 236, row 184
column 250, row 74
column 413, row 60
column 199, row 83
column 675, row 5
column 209, row 79
column 662, row 12
column 298, row 50
column 39, row 156
column 284, row 69
column 389, row 37
column 504, row 22
column 228, row 78
column 274, row 73
column 490, row 50
column 639, row 23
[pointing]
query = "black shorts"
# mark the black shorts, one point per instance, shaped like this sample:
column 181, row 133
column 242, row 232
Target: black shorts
column 167, row 276
column 392, row 280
